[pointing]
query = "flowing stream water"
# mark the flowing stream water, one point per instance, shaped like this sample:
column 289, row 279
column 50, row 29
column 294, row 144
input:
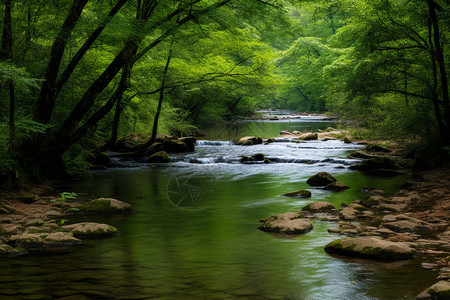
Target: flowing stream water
column 194, row 233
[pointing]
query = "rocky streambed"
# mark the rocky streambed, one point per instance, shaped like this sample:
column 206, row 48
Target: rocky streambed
column 413, row 222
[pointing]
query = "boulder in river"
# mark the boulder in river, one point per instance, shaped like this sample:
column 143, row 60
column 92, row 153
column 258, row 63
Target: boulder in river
column 91, row 230
column 289, row 223
column 160, row 157
column 321, row 179
column 154, row 148
column 189, row 142
column 249, row 140
column 309, row 137
column 129, row 143
column 299, row 194
column 438, row 291
column 336, row 187
column 371, row 247
column 319, row 206
column 106, row 206
column 174, row 146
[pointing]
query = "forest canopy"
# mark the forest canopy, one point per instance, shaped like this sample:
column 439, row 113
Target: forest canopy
column 76, row 74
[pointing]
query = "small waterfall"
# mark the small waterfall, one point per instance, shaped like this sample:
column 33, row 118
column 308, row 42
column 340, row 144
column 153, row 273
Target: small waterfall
column 214, row 143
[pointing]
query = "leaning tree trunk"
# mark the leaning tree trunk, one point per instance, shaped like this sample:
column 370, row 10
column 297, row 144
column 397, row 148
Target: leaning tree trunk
column 160, row 101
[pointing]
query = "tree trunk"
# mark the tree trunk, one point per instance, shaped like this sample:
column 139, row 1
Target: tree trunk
column 47, row 97
column 86, row 46
column 7, row 54
column 439, row 56
column 160, row 101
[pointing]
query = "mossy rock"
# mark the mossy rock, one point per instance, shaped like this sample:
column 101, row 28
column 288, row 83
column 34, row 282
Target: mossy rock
column 321, row 179
column 371, row 248
column 319, row 206
column 329, row 129
column 6, row 249
column 154, row 148
column 288, row 223
column 106, row 206
column 91, row 230
column 249, row 141
column 129, row 143
column 299, row 194
column 440, row 290
column 376, row 149
column 174, row 146
column 102, row 159
column 190, row 143
column 336, row 187
column 160, row 157
column 310, row 137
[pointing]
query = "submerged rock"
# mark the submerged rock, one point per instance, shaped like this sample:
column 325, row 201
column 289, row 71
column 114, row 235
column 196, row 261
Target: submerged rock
column 321, row 179
column 319, row 206
column 160, row 157
column 371, row 247
column 336, row 186
column 299, row 194
column 91, row 230
column 290, row 223
column 249, row 140
column 106, row 206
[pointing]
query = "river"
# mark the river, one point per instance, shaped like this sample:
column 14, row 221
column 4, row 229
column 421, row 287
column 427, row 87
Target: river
column 194, row 233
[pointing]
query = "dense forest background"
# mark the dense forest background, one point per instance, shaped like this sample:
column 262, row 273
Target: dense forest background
column 77, row 74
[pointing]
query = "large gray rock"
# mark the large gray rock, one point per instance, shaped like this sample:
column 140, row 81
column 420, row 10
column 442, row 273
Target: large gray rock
column 438, row 291
column 319, row 206
column 290, row 223
column 321, row 179
column 106, row 206
column 371, row 247
column 44, row 241
column 249, row 140
column 410, row 225
column 91, row 230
